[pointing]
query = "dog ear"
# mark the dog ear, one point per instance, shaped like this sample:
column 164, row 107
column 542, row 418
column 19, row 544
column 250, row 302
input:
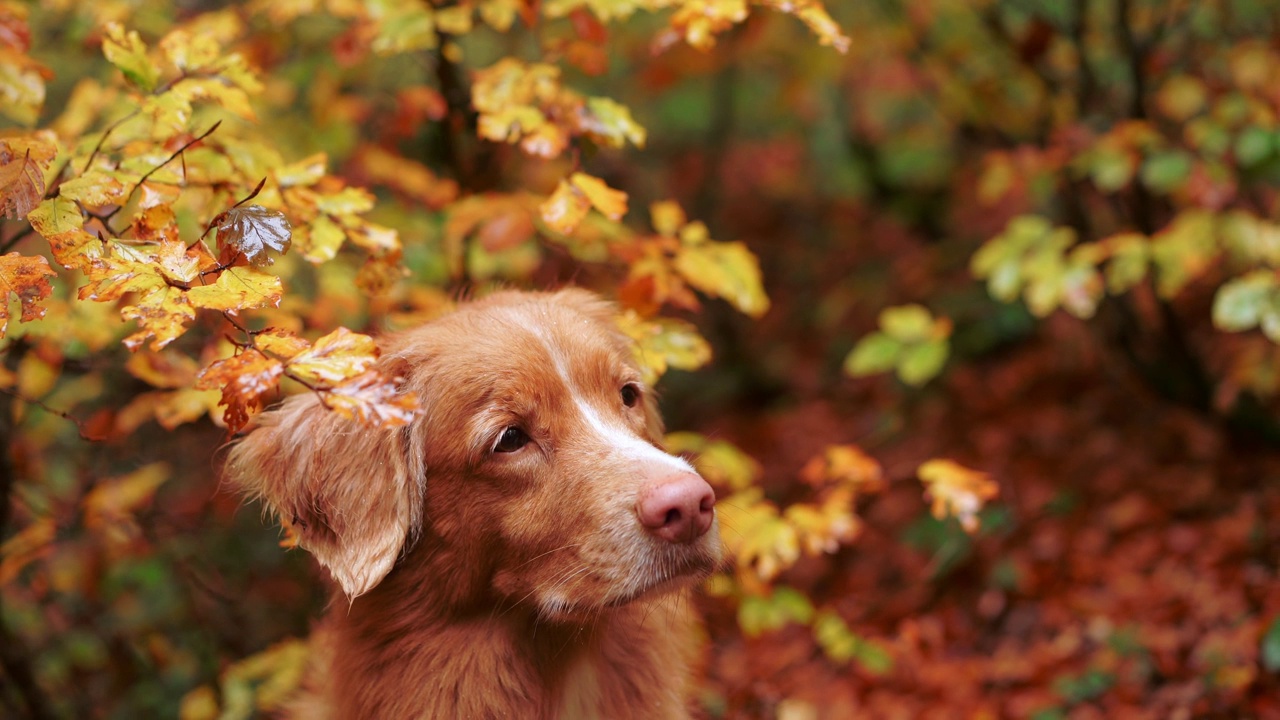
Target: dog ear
column 350, row 492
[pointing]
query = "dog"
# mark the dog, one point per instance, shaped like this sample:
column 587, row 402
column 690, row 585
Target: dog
column 524, row 549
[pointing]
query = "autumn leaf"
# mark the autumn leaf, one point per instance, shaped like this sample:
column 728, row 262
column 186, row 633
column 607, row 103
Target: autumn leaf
column 236, row 289
column 719, row 461
column 844, row 465
column 252, row 231
column 340, row 355
column 662, row 343
column 24, row 159
column 245, row 381
column 282, row 344
column 114, row 500
column 373, row 399
column 162, row 315
column 128, row 53
column 956, row 491
column 727, row 270
column 26, row 278
column 565, row 209
column 25, row 547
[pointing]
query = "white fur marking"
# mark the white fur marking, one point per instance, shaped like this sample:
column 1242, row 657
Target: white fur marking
column 619, row 438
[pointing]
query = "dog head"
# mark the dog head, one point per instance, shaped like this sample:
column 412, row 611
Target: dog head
column 534, row 472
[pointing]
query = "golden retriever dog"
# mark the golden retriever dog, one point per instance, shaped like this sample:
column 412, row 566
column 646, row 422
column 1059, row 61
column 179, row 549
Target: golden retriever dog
column 522, row 550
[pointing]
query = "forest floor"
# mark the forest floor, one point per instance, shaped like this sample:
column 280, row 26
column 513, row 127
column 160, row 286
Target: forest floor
column 1132, row 572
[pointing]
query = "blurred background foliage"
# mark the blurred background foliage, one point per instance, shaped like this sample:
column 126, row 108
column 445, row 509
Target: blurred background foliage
column 1035, row 238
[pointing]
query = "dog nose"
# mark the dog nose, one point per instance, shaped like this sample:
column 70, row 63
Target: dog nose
column 678, row 508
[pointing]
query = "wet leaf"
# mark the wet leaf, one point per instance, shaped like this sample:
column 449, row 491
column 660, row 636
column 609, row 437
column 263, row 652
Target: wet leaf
column 245, row 380
column 253, row 231
column 236, row 289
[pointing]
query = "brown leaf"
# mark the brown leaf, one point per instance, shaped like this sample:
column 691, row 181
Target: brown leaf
column 252, row 231
column 245, row 380
column 23, row 161
column 27, row 278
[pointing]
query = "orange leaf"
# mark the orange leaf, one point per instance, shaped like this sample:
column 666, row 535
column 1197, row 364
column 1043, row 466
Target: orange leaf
column 956, row 491
column 28, row 279
column 373, row 399
column 245, row 380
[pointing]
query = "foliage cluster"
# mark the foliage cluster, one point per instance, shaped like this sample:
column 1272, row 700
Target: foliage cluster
column 996, row 201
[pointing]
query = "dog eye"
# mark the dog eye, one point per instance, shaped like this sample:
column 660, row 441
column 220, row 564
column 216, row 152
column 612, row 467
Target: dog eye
column 513, row 438
column 630, row 394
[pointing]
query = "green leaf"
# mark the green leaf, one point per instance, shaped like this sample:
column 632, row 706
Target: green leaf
column 758, row 614
column 612, row 123
column 1240, row 303
column 1270, row 650
column 921, row 363
column 1253, row 145
column 875, row 353
column 1166, row 171
column 907, row 323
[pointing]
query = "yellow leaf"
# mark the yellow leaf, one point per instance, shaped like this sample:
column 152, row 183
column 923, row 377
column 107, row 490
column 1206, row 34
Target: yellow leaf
column 162, row 315
column 661, row 343
column 565, row 209
column 609, row 202
column 114, row 499
column 340, row 355
column 726, row 270
column 189, row 52
column 166, row 369
column 306, row 171
column 236, row 289
column 280, row 343
column 320, row 241
column 956, row 491
column 719, row 461
column 668, row 217
column 217, row 91
column 611, row 122
column 128, row 53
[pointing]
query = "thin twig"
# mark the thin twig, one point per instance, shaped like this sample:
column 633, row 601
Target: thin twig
column 17, row 238
column 89, row 163
column 157, row 168
column 80, row 427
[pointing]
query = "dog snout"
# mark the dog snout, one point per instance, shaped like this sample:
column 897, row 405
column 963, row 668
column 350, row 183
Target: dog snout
column 678, row 508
